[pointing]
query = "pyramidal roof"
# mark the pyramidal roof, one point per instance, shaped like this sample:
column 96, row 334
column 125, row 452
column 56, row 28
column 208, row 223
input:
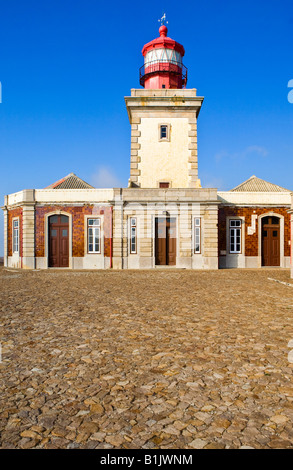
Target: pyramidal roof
column 254, row 184
column 70, row 181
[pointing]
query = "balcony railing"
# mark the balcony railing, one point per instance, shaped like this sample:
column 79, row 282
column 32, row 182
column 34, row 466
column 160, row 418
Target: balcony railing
column 150, row 68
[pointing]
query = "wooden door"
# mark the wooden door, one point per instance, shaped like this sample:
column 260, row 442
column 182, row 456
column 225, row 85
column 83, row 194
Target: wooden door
column 165, row 241
column 171, row 241
column 160, row 241
column 59, row 241
column 270, row 241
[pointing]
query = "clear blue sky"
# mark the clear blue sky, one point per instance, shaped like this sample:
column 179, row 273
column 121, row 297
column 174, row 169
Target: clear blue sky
column 65, row 67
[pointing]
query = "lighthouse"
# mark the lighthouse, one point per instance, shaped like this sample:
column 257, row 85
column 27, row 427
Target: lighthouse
column 163, row 67
column 163, row 117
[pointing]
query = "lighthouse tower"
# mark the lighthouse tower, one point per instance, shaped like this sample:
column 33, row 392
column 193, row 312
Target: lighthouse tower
column 163, row 117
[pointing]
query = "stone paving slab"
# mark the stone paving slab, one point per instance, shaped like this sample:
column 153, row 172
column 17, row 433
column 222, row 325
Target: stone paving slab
column 146, row 359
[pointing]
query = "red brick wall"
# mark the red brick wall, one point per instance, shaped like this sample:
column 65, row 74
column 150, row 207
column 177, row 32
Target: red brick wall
column 11, row 214
column 251, row 241
column 78, row 226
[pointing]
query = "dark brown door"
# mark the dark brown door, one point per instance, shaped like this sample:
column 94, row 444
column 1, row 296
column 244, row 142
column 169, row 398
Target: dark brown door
column 171, row 241
column 160, row 241
column 165, row 241
column 59, row 241
column 270, row 241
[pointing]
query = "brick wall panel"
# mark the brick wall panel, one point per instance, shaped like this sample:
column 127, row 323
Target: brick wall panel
column 251, row 241
column 78, row 226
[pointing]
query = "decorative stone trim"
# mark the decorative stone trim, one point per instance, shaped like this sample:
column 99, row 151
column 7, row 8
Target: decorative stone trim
column 252, row 228
column 168, row 137
column 102, row 245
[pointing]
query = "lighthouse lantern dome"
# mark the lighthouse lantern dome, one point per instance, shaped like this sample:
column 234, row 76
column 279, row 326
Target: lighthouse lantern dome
column 163, row 67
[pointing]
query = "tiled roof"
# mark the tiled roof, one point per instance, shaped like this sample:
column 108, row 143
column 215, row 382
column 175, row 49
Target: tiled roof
column 70, row 181
column 254, row 184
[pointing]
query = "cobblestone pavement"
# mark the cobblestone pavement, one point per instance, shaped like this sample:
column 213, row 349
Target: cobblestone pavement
column 146, row 359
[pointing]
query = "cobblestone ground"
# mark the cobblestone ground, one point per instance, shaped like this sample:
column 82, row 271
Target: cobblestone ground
column 146, row 359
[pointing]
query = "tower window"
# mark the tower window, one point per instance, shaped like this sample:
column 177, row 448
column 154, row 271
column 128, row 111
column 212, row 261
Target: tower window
column 164, row 184
column 164, row 132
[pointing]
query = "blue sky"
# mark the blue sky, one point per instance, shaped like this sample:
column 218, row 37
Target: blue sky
column 65, row 67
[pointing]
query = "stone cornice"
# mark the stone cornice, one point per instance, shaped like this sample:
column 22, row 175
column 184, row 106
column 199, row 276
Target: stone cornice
column 159, row 195
column 161, row 100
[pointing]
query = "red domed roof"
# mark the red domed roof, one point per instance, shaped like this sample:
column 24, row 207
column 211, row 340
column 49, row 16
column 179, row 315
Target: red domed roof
column 163, row 42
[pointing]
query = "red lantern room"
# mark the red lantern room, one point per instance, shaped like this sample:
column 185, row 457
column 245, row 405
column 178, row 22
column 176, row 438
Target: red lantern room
column 163, row 66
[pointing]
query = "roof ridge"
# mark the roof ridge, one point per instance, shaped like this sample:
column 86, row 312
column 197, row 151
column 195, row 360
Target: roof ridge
column 258, row 185
column 250, row 178
column 75, row 183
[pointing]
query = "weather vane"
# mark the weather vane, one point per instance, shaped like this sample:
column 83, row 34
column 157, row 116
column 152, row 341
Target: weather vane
column 163, row 19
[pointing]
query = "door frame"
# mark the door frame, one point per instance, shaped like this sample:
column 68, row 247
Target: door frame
column 165, row 216
column 281, row 225
column 46, row 236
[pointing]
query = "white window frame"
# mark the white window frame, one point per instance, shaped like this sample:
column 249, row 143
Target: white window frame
column 133, row 226
column 95, row 228
column 167, row 138
column 235, row 228
column 15, row 235
column 197, row 235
